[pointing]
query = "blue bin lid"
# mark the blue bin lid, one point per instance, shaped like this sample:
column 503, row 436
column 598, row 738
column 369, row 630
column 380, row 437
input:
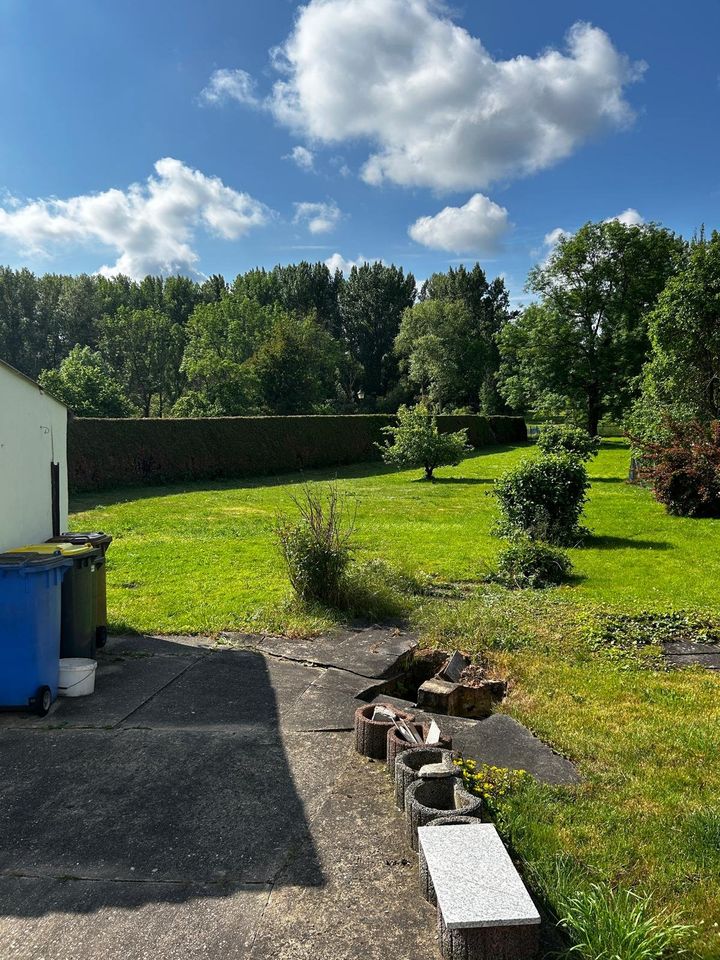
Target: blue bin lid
column 32, row 562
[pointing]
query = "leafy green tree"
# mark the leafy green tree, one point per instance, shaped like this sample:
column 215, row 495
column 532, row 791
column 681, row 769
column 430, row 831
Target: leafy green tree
column 372, row 302
column 582, row 346
column 681, row 381
column 222, row 337
column 19, row 341
column 214, row 289
column 443, row 353
column 417, row 442
column 84, row 382
column 309, row 289
column 180, row 296
column 297, row 366
column 488, row 307
column 144, row 349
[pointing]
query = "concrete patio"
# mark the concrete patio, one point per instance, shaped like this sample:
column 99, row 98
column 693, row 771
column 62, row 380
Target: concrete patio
column 206, row 802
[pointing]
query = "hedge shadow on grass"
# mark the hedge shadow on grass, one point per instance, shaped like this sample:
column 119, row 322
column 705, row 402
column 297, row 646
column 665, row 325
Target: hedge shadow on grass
column 608, row 542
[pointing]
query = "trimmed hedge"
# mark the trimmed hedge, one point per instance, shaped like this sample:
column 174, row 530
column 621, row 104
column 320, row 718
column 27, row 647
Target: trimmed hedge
column 104, row 453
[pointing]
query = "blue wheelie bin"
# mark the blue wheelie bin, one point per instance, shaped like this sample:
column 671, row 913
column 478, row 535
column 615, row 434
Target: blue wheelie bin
column 30, row 590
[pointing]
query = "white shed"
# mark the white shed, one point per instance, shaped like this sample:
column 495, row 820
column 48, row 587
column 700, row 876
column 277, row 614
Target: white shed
column 33, row 461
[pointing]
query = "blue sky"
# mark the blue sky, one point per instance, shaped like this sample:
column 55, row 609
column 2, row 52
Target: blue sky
column 96, row 93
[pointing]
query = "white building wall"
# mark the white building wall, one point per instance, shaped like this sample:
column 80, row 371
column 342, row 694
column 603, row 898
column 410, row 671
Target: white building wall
column 33, row 434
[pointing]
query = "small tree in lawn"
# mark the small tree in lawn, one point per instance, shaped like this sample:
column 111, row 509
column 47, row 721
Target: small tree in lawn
column 417, row 442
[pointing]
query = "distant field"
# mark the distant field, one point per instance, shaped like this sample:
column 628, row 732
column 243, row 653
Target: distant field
column 200, row 558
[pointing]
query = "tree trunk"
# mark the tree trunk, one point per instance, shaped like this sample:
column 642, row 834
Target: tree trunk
column 428, row 473
column 594, row 409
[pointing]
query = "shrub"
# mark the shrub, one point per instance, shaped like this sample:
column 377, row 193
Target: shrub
column 566, row 439
column 684, row 470
column 316, row 547
column 529, row 563
column 417, row 442
column 543, row 498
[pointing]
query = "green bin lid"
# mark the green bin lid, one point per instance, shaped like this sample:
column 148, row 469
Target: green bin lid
column 32, row 562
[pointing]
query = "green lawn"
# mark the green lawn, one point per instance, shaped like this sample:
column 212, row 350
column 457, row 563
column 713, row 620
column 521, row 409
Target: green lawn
column 201, row 558
column 647, row 813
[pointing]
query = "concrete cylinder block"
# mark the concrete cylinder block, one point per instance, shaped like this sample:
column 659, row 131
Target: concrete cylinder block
column 408, row 764
column 426, row 800
column 371, row 735
column 397, row 744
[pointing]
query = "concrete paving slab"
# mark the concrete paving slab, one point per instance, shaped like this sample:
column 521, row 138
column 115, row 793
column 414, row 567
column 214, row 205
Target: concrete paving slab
column 370, row 907
column 89, row 920
column 121, row 686
column 179, row 806
column 328, row 703
column 232, row 690
column 681, row 647
column 139, row 644
column 709, row 661
column 374, row 652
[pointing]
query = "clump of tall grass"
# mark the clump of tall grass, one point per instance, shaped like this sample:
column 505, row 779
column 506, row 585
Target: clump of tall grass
column 607, row 924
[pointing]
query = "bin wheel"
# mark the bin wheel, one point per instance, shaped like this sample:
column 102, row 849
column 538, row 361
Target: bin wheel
column 100, row 637
column 42, row 701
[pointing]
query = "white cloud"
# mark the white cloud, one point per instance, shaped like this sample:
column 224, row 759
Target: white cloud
column 151, row 226
column 226, row 85
column 338, row 262
column 319, row 217
column 552, row 239
column 304, row 158
column 629, row 217
column 478, row 225
column 439, row 109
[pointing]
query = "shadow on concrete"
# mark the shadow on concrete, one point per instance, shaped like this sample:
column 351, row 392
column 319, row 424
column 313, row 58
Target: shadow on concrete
column 173, row 788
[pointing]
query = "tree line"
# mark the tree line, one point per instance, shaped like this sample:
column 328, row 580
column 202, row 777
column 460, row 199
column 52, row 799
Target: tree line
column 623, row 323
column 294, row 339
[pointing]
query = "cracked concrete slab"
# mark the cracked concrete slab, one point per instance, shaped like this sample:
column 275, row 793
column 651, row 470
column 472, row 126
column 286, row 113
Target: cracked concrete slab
column 230, row 690
column 122, row 685
column 375, row 652
column 328, row 703
column 370, row 906
column 127, row 921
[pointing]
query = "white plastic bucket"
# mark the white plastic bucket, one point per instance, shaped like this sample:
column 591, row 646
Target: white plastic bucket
column 77, row 676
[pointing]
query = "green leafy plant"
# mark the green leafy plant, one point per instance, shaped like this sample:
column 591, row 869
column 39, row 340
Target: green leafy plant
column 558, row 438
column 543, row 498
column 417, row 442
column 316, row 546
column 490, row 782
column 608, row 924
column 530, row 563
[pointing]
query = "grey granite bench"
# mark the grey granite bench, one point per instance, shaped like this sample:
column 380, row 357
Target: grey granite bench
column 484, row 910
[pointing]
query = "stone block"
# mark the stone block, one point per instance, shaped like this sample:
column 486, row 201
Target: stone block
column 426, row 884
column 484, row 909
column 439, row 696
